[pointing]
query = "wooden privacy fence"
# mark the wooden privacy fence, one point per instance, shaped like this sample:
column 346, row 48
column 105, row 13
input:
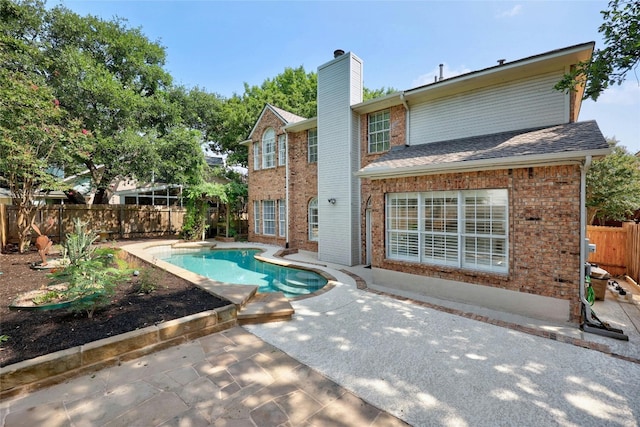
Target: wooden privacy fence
column 114, row 221
column 617, row 249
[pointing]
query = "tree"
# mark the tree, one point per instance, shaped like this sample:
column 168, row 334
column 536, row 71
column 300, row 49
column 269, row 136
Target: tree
column 609, row 66
column 293, row 90
column 36, row 134
column 112, row 78
column 182, row 155
column 613, row 185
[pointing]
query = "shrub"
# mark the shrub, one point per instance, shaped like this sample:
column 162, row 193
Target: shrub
column 93, row 274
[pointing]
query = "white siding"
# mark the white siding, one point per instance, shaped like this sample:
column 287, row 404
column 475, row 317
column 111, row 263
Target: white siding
column 522, row 104
column 339, row 85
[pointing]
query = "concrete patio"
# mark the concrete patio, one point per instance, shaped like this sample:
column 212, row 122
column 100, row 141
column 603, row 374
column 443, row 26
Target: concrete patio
column 356, row 356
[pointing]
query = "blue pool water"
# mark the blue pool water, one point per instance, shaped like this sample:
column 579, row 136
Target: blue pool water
column 238, row 266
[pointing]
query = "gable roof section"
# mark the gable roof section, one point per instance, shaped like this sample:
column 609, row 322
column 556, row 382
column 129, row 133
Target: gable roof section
column 514, row 70
column 523, row 148
column 284, row 116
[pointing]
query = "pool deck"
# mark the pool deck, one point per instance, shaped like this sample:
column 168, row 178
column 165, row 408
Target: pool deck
column 358, row 356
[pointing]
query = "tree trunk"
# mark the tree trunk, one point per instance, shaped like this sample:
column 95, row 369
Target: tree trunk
column 24, row 218
column 101, row 197
column 591, row 215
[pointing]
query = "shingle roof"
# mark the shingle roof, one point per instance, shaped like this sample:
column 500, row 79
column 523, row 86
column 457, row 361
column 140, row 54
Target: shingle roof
column 287, row 116
column 558, row 140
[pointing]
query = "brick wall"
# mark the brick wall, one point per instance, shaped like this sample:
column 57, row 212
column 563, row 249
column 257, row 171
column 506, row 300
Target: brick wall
column 544, row 231
column 397, row 136
column 303, row 186
column 544, row 214
column 270, row 184
column 266, row 184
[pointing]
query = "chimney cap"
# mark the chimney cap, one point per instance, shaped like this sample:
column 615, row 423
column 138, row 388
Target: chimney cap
column 338, row 52
column 501, row 61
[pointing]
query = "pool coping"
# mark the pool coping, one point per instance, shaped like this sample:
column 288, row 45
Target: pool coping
column 238, row 294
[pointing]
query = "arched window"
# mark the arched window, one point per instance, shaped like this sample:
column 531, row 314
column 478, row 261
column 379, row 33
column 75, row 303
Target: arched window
column 313, row 220
column 269, row 149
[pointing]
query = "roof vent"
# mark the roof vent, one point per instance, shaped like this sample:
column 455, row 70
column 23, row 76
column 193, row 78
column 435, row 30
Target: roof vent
column 501, row 61
column 338, row 52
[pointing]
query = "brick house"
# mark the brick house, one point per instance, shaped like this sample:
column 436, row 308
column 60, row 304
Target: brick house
column 470, row 188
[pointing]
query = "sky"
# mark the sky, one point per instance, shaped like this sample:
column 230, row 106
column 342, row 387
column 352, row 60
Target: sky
column 221, row 45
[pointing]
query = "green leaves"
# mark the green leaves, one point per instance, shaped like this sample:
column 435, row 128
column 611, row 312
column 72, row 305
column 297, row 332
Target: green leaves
column 613, row 186
column 609, row 66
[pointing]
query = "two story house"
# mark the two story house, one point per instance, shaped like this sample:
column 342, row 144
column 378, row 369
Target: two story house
column 471, row 188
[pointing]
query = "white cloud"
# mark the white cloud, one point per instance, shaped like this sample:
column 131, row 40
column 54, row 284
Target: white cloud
column 510, row 13
column 447, row 72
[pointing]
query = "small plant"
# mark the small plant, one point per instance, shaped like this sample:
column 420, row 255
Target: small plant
column 93, row 274
column 3, row 339
column 79, row 244
column 45, row 298
column 147, row 280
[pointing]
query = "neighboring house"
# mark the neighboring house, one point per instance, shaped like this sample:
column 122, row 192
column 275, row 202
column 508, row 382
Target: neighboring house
column 471, row 188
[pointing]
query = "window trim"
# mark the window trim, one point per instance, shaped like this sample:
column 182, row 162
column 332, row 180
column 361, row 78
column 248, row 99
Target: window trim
column 483, row 225
column 313, row 224
column 282, row 218
column 383, row 118
column 269, row 217
column 256, row 217
column 282, row 150
column 256, row 156
column 312, row 143
column 269, row 149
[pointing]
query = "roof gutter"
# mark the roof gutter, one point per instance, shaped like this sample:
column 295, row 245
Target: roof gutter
column 477, row 165
column 302, row 125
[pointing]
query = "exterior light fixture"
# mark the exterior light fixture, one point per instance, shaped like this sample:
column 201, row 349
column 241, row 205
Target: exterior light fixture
column 332, row 201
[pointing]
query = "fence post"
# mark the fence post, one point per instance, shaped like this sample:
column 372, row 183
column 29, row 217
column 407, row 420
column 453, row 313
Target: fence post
column 4, row 225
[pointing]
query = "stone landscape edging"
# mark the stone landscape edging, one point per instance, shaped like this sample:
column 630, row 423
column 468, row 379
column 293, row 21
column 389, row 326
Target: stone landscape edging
column 57, row 367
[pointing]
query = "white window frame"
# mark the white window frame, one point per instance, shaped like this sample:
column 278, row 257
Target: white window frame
column 379, row 131
column 313, row 220
column 464, row 229
column 312, row 145
column 282, row 218
column 282, row 150
column 269, row 217
column 256, row 217
column 256, row 156
column 269, row 149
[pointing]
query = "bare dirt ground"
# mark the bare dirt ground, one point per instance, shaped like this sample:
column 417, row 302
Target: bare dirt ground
column 34, row 333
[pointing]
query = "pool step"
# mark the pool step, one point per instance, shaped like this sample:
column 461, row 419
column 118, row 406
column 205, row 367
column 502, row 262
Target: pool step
column 292, row 288
column 264, row 308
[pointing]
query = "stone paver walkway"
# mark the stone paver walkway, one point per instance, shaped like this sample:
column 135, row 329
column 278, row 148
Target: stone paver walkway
column 231, row 378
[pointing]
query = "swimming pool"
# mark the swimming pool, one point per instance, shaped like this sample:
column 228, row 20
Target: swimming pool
column 239, row 266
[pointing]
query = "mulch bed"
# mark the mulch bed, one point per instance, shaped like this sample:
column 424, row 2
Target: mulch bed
column 32, row 333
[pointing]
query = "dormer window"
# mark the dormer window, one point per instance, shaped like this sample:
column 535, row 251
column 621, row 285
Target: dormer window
column 269, row 149
column 379, row 140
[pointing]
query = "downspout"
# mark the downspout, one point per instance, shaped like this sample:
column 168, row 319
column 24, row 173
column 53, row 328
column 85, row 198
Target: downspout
column 286, row 186
column 583, row 226
column 407, row 119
